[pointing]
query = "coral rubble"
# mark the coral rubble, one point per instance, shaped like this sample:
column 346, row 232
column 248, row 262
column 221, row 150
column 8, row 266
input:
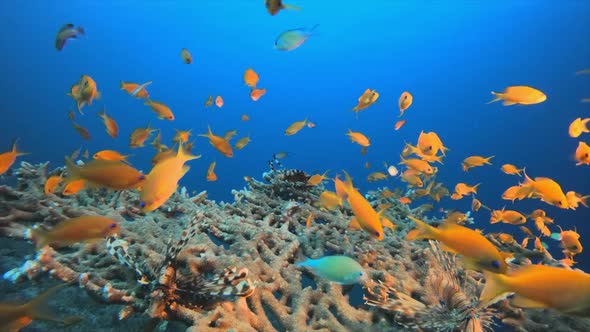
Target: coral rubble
column 229, row 266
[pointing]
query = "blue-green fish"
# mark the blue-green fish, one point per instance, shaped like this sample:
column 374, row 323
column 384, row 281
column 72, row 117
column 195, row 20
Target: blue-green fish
column 340, row 269
column 291, row 39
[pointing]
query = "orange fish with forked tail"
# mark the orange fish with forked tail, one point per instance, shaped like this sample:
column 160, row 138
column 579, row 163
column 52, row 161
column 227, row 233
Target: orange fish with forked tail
column 221, row 144
column 13, row 316
column 105, row 174
column 162, row 180
column 540, row 286
column 74, row 230
column 8, row 158
column 365, row 215
column 477, row 251
column 84, row 92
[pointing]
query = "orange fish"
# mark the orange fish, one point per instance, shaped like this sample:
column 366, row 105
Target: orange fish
column 81, row 131
column 405, row 200
column 255, row 94
column 523, row 95
column 582, row 154
column 511, row 169
column 578, row 126
column 164, row 112
column 420, row 166
column 309, row 220
column 365, row 215
column 475, row 161
column 84, row 92
column 547, row 190
column 221, row 144
column 105, row 173
column 316, row 179
column 376, row 176
column 211, row 176
column 405, row 101
column 186, row 56
column 477, row 251
column 507, row 217
column 51, row 183
column 209, row 101
column 251, row 78
column 358, row 138
column 75, row 230
column 295, row 127
column 570, row 241
column 162, row 180
column 399, row 124
column 131, row 88
column 430, row 143
column 242, row 142
column 8, row 158
column 365, row 100
column 329, row 200
column 110, row 125
column 574, row 199
column 73, row 187
column 339, row 187
column 219, row 101
column 110, row 155
column 14, row 317
column 139, row 136
column 245, row 117
column 541, row 286
column 181, row 136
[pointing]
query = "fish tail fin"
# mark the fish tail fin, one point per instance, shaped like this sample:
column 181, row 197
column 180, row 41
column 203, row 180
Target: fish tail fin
column 497, row 97
column 72, row 169
column 40, row 237
column 185, row 156
column 422, row 231
column 121, row 84
column 347, row 182
column 313, row 28
column 308, row 262
column 495, row 286
column 487, row 161
column 81, row 30
column 291, row 7
column 476, row 186
column 79, row 105
column 38, row 308
column 208, row 134
column 14, row 149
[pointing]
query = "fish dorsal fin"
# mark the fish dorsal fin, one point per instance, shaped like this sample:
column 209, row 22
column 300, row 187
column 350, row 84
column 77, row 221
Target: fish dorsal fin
column 521, row 301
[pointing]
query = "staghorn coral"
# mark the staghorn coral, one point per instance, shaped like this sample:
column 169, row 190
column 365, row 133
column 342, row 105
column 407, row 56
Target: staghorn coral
column 191, row 256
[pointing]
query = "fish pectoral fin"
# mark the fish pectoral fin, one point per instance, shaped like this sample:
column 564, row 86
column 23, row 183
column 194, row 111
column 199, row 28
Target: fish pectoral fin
column 521, row 301
column 446, row 248
column 354, row 224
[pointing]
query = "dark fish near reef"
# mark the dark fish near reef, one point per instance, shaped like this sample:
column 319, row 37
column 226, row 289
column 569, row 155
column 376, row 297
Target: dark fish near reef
column 13, row 317
column 67, row 32
column 74, row 230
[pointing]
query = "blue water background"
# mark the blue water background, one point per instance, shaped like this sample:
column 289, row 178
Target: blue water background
column 448, row 54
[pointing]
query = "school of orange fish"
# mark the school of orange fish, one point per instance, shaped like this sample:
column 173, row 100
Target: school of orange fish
column 563, row 289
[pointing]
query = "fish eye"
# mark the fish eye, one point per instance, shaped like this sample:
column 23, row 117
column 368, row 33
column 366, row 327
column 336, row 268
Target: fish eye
column 142, row 177
column 142, row 204
column 496, row 264
column 377, row 234
column 113, row 225
column 360, row 273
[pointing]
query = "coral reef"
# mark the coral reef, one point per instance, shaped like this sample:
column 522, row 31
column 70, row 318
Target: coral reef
column 229, row 266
